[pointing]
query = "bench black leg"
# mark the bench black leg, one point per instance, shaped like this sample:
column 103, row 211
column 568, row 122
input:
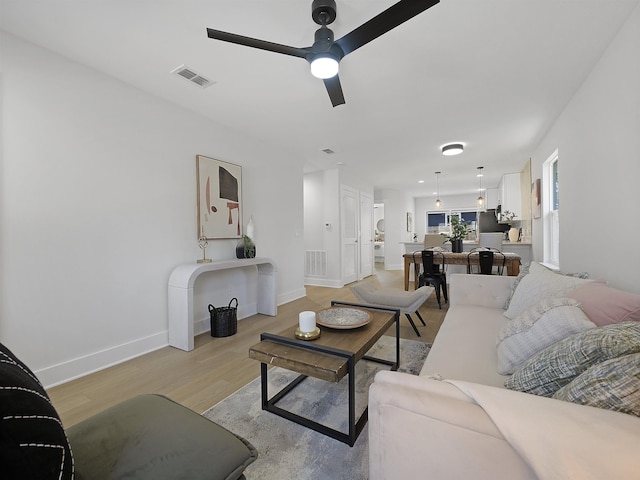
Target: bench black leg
column 420, row 317
column 415, row 329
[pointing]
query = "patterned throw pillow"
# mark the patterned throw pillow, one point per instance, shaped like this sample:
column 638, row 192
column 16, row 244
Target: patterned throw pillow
column 33, row 443
column 555, row 366
column 536, row 328
column 614, row 385
column 539, row 284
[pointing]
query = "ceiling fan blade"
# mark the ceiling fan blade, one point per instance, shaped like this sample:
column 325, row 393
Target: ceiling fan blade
column 389, row 19
column 255, row 43
column 335, row 90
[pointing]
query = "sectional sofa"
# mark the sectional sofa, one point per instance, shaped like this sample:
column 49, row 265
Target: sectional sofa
column 568, row 351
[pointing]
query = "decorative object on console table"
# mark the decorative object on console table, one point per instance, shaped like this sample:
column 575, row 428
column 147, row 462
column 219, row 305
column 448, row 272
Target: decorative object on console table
column 219, row 198
column 459, row 230
column 250, row 232
column 202, row 243
column 245, row 248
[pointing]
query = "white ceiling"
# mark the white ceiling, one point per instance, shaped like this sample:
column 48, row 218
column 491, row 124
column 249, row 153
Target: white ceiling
column 492, row 74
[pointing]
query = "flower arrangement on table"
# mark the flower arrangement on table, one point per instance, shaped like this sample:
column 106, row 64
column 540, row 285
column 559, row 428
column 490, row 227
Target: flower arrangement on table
column 459, row 231
column 507, row 217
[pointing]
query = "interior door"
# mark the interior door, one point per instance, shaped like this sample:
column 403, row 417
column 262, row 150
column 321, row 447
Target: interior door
column 349, row 204
column 366, row 236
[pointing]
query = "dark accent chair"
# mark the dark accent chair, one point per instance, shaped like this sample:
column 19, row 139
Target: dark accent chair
column 432, row 274
column 145, row 437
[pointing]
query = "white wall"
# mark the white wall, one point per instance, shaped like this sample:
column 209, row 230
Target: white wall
column 99, row 205
column 396, row 206
column 598, row 141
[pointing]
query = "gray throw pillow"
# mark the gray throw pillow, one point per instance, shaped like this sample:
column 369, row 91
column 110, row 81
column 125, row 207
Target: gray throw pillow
column 554, row 367
column 613, row 384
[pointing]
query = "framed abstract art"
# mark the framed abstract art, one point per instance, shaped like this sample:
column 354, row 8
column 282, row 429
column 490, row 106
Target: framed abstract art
column 219, row 187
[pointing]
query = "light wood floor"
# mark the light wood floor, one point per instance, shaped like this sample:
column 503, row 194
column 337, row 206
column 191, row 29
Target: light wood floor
column 216, row 367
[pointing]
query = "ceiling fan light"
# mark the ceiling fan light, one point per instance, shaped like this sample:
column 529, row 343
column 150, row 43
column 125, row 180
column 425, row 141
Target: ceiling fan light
column 453, row 149
column 324, row 67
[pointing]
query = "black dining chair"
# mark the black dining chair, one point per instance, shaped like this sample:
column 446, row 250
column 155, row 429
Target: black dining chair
column 486, row 261
column 432, row 274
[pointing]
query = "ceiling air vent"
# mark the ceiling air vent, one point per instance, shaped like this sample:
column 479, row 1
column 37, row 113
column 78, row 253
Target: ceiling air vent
column 328, row 151
column 193, row 77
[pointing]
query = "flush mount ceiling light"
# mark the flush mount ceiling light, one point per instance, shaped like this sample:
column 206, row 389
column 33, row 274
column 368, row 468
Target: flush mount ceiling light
column 480, row 198
column 438, row 202
column 452, row 149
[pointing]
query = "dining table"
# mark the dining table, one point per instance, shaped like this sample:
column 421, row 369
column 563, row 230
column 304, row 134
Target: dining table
column 511, row 261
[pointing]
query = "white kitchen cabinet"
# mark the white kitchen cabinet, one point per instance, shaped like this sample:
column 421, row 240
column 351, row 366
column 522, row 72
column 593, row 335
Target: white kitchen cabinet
column 492, row 198
column 509, row 190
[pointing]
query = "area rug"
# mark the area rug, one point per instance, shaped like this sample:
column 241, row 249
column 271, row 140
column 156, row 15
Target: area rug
column 288, row 450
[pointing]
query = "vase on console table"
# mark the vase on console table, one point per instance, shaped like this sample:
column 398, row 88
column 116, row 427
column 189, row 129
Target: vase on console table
column 245, row 248
column 514, row 234
column 456, row 245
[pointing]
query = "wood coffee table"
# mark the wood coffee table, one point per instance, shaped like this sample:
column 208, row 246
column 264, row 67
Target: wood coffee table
column 329, row 358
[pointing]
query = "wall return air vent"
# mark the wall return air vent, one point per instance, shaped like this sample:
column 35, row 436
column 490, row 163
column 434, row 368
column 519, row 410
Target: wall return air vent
column 188, row 74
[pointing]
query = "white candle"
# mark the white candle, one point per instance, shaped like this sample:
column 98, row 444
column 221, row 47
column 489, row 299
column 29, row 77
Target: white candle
column 307, row 321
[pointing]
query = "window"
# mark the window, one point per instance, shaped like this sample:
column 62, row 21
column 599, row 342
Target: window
column 551, row 209
column 439, row 222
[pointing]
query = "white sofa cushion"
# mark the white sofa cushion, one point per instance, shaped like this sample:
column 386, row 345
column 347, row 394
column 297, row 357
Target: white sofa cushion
column 480, row 290
column 423, row 428
column 539, row 284
column 464, row 348
column 539, row 326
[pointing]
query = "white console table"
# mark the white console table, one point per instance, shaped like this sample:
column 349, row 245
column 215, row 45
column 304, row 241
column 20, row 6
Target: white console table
column 181, row 284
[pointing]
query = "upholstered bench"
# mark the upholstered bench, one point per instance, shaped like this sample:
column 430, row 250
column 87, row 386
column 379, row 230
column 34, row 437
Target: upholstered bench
column 145, row 437
column 371, row 295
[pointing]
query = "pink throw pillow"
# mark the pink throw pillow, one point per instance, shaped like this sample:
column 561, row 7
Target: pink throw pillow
column 605, row 305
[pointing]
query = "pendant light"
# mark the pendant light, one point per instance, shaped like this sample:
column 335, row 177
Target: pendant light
column 480, row 198
column 438, row 202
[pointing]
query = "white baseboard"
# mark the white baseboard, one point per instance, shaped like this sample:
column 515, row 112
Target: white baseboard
column 94, row 362
column 323, row 282
column 291, row 296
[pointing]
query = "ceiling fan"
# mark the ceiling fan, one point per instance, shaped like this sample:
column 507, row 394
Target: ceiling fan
column 325, row 53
